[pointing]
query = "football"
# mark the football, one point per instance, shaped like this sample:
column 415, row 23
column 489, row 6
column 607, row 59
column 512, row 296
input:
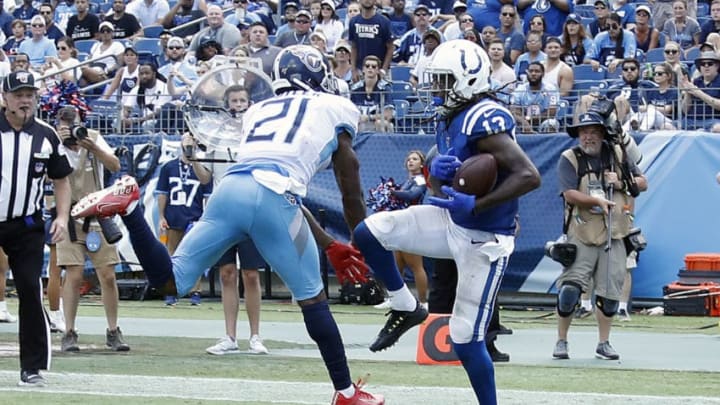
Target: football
column 477, row 175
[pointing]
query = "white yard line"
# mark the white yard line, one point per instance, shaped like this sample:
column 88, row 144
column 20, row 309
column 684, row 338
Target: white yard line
column 277, row 392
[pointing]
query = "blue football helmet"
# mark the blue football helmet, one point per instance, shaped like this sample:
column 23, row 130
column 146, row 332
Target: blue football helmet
column 303, row 67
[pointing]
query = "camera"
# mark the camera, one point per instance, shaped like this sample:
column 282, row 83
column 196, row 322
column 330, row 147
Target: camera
column 562, row 252
column 77, row 133
column 635, row 241
column 605, row 108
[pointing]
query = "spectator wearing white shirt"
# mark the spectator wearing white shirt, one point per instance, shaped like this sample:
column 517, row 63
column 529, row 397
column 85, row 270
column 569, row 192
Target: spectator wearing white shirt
column 329, row 23
column 143, row 104
column 501, row 72
column 431, row 40
column 148, row 12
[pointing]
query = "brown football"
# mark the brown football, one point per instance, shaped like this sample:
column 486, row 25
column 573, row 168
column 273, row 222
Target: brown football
column 477, row 175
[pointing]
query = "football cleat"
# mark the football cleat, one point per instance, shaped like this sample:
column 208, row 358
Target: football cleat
column 361, row 397
column 398, row 323
column 109, row 201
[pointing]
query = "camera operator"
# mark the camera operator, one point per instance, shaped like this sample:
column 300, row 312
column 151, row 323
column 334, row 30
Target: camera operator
column 598, row 182
column 89, row 154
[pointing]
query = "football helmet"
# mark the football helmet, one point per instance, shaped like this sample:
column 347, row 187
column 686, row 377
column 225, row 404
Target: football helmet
column 303, row 67
column 458, row 70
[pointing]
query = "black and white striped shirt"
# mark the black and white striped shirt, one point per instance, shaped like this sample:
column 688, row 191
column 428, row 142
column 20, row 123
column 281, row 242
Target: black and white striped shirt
column 25, row 157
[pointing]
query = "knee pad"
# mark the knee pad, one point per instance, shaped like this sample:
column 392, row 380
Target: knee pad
column 567, row 299
column 607, row 306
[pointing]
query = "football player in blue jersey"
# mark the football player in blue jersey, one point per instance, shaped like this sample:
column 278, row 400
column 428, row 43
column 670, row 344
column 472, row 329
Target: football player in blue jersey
column 477, row 232
column 283, row 142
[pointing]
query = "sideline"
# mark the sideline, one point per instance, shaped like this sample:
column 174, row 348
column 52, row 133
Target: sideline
column 278, row 392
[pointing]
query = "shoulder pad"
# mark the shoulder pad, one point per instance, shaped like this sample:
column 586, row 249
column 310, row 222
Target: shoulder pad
column 487, row 118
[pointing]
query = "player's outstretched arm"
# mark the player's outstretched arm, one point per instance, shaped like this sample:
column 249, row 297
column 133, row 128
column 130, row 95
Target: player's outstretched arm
column 347, row 174
column 523, row 178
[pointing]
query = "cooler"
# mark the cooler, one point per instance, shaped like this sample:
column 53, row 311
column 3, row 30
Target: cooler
column 698, row 299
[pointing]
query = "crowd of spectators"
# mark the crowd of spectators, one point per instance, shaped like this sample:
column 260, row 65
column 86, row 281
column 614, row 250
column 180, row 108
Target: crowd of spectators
column 378, row 46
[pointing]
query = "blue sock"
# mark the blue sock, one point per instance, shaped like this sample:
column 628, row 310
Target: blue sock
column 322, row 328
column 153, row 256
column 380, row 260
column 479, row 368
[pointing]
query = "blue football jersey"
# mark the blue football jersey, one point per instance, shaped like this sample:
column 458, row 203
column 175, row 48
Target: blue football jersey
column 459, row 138
column 185, row 193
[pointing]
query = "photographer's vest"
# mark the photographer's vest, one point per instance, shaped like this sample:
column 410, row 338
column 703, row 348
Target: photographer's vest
column 591, row 228
column 85, row 179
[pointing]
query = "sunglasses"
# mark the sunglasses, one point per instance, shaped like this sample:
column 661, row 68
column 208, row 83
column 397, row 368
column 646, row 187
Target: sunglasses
column 302, row 21
column 421, row 14
column 599, row 8
column 38, row 25
column 614, row 26
column 707, row 63
column 467, row 20
column 62, row 48
column 371, row 66
column 659, row 73
column 671, row 51
column 629, row 69
column 508, row 14
column 175, row 47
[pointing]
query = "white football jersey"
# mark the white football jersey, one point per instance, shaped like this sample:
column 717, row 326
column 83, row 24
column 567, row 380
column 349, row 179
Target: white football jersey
column 295, row 131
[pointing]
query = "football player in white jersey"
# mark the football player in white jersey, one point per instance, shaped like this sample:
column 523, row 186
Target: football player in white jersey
column 280, row 148
column 476, row 232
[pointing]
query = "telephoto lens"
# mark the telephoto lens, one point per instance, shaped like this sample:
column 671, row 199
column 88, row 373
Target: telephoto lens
column 110, row 230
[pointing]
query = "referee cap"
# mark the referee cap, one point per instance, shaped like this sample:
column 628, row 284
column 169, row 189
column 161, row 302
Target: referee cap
column 20, row 79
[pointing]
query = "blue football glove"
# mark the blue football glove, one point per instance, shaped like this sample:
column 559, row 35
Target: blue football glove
column 443, row 167
column 457, row 202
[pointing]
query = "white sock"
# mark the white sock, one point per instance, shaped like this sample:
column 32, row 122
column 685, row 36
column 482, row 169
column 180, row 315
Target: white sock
column 586, row 304
column 3, row 306
column 402, row 299
column 623, row 306
column 131, row 207
column 348, row 392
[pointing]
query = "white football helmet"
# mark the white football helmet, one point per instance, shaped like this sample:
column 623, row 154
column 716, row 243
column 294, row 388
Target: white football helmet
column 459, row 70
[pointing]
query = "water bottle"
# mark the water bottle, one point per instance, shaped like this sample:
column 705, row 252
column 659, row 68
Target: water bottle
column 649, row 73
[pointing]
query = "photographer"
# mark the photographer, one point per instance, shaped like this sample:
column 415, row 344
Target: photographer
column 598, row 182
column 89, row 154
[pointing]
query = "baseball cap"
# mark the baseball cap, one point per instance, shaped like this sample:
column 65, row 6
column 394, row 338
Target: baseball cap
column 131, row 49
column 585, row 120
column 432, row 33
column 318, row 34
column 603, row 2
column 573, row 17
column 644, row 8
column 106, row 24
column 343, row 45
column 207, row 40
column 37, row 19
column 327, row 3
column 458, row 4
column 20, row 79
column 176, row 41
column 291, row 4
column 421, row 7
column 303, row 13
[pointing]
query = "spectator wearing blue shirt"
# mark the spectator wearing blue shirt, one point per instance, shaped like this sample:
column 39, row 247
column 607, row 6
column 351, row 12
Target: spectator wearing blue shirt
column 602, row 13
column 51, row 29
column 5, row 21
column 26, row 11
column 39, row 46
column 625, row 11
column 713, row 24
column 439, row 9
column 291, row 9
column 369, row 34
column 553, row 11
column 513, row 38
column 63, row 11
column 701, row 98
column 13, row 43
column 646, row 36
column 657, row 108
column 371, row 94
column 534, row 104
column 400, row 20
column 575, row 42
column 682, row 29
column 533, row 54
column 612, row 46
column 410, row 46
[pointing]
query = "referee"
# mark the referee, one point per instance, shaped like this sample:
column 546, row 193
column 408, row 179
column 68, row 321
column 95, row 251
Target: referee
column 29, row 149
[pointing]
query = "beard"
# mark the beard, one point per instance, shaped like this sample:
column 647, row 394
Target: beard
column 592, row 149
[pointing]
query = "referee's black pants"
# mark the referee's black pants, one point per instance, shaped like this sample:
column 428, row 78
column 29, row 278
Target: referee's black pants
column 23, row 241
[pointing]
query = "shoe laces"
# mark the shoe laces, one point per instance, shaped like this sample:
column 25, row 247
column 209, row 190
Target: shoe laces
column 360, row 384
column 396, row 318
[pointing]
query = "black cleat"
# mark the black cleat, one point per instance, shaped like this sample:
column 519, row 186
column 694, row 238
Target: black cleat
column 398, row 323
column 496, row 355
